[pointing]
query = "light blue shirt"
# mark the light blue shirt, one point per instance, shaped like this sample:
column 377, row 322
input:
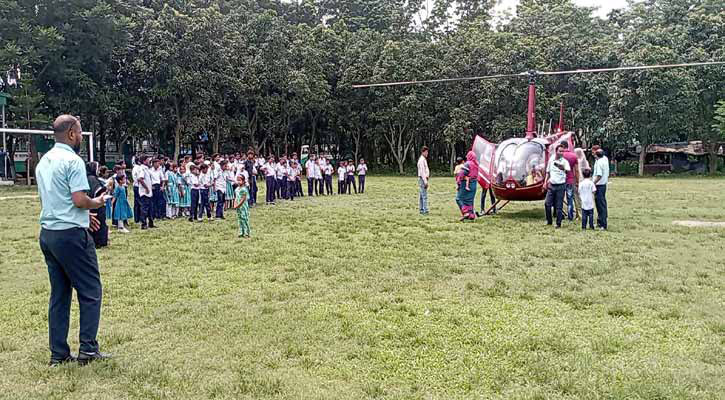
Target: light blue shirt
column 601, row 168
column 59, row 173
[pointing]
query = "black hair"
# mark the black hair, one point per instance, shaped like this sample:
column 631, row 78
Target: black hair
column 587, row 173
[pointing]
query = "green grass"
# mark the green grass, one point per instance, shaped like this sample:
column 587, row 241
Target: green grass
column 359, row 297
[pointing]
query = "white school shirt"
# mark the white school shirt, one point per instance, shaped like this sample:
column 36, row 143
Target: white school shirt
column 351, row 170
column 220, row 183
column 270, row 169
column 280, row 170
column 194, row 181
column 136, row 173
column 309, row 166
column 328, row 169
column 586, row 193
column 291, row 174
column 341, row 174
column 145, row 173
column 362, row 169
column 205, row 180
column 156, row 176
column 318, row 171
column 558, row 176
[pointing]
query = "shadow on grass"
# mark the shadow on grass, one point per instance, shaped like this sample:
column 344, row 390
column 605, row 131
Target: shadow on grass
column 531, row 214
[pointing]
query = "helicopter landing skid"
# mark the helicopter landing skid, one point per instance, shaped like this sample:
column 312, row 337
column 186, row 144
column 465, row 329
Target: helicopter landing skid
column 498, row 205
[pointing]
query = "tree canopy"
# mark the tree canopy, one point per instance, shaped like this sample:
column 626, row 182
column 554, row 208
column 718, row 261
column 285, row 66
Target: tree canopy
column 274, row 75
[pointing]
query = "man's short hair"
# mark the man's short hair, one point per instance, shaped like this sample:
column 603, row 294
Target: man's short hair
column 143, row 159
column 599, row 153
column 63, row 124
column 424, row 149
column 562, row 146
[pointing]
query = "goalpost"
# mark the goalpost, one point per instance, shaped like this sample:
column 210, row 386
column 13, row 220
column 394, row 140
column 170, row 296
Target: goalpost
column 31, row 132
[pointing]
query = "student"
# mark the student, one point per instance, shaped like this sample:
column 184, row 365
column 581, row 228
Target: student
column 362, row 170
column 320, row 183
column 157, row 196
column 184, row 191
column 172, row 191
column 121, row 209
column 242, row 207
column 329, row 170
column 270, row 174
column 292, row 180
column 310, row 171
column 586, row 193
column 250, row 166
column 206, row 185
column 220, row 187
column 281, row 176
column 230, row 179
column 196, row 187
column 145, row 191
column 350, row 176
column 110, row 187
column 135, row 175
column 341, row 177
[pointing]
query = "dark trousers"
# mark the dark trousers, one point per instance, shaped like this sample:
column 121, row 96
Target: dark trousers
column 483, row 200
column 600, row 200
column 587, row 219
column 340, row 187
column 100, row 237
column 270, row 189
column 194, row 204
column 72, row 264
column 328, row 184
column 281, row 187
column 205, row 206
column 311, row 186
column 252, row 190
column 361, row 183
column 146, row 208
column 350, row 182
column 156, row 208
column 321, row 187
column 290, row 188
column 220, row 199
column 555, row 199
column 298, row 187
column 136, row 206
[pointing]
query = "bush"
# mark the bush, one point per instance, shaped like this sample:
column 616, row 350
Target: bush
column 628, row 168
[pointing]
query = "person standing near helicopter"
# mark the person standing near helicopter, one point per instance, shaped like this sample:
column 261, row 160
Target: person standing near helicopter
column 555, row 184
column 601, row 178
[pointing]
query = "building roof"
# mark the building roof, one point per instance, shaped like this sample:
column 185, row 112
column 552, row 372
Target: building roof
column 694, row 148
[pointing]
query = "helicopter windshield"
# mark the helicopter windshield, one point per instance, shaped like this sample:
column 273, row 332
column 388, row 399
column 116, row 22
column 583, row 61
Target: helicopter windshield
column 520, row 160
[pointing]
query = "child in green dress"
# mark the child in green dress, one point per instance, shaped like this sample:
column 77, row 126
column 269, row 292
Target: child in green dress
column 241, row 204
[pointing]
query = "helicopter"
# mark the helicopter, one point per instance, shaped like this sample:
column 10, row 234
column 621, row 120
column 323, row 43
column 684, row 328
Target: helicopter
column 515, row 169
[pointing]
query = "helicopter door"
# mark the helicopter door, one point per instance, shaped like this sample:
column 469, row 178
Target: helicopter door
column 485, row 155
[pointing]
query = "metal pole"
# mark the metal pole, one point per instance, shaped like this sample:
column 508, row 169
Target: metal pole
column 5, row 148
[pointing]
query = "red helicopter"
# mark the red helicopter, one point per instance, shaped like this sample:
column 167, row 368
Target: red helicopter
column 516, row 167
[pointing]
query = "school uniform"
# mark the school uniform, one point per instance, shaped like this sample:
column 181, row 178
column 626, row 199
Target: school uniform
column 341, row 176
column 350, row 179
column 320, row 188
column 298, row 180
column 291, row 182
column 311, row 177
column 328, row 178
column 157, row 196
column 250, row 167
column 135, row 173
column 206, row 182
column 220, row 186
column 281, row 187
column 270, row 174
column 146, row 194
column 196, row 188
column 362, row 170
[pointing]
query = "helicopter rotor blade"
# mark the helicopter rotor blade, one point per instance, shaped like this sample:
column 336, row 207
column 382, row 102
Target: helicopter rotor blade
column 469, row 78
column 539, row 73
column 658, row 66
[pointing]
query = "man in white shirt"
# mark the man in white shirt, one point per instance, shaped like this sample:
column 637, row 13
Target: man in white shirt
column 601, row 178
column 423, row 178
column 555, row 183
column 145, row 192
column 350, row 182
column 362, row 170
column 220, row 186
column 320, row 185
column 281, row 186
column 311, row 177
column 158, row 208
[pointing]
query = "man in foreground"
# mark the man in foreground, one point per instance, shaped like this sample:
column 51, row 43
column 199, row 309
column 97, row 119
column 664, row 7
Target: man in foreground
column 68, row 248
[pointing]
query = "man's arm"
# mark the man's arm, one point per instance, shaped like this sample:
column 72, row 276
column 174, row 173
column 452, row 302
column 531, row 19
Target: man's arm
column 81, row 200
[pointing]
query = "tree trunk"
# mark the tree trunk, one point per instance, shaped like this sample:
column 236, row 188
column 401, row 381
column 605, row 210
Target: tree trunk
column 712, row 157
column 642, row 157
column 215, row 144
column 452, row 164
column 177, row 130
column 102, row 140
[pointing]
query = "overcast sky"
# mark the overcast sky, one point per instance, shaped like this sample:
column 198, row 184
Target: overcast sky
column 605, row 6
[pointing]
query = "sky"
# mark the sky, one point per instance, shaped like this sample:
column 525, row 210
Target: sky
column 605, row 6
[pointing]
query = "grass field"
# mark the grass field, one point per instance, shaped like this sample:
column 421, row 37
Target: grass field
column 359, row 297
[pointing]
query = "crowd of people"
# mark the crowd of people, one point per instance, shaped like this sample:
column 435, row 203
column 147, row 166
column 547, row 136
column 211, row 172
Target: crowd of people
column 206, row 187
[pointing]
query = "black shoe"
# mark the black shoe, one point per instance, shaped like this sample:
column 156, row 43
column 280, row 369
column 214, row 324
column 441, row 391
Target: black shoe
column 153, row 226
column 144, row 227
column 84, row 357
column 54, row 362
